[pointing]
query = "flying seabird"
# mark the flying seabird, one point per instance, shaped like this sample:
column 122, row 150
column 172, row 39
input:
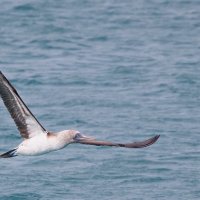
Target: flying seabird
column 36, row 139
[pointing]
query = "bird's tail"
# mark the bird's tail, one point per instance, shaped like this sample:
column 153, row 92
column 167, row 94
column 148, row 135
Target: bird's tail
column 9, row 154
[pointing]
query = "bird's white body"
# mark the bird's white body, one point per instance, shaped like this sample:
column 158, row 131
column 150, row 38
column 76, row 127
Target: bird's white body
column 44, row 143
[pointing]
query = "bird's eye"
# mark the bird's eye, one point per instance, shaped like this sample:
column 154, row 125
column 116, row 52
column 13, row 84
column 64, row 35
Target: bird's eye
column 77, row 136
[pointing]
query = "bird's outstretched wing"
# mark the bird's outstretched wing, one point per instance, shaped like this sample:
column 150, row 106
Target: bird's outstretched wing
column 91, row 141
column 25, row 121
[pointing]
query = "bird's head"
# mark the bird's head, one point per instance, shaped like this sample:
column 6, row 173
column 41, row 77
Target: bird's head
column 74, row 136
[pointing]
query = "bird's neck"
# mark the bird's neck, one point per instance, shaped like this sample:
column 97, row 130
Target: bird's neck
column 65, row 137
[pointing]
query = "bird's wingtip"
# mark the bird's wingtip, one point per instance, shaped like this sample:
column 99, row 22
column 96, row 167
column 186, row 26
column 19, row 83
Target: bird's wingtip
column 157, row 136
column 1, row 73
column 154, row 139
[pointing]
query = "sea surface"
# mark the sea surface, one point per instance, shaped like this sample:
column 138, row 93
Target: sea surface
column 116, row 70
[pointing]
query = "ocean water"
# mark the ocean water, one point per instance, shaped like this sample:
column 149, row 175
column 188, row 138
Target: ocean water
column 115, row 70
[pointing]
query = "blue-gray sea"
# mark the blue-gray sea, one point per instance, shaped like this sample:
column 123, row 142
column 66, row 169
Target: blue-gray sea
column 116, row 70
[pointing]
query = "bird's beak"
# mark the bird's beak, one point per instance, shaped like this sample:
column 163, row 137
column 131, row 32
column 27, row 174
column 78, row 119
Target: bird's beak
column 80, row 138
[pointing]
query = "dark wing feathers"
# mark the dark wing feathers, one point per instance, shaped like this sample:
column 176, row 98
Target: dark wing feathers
column 142, row 144
column 25, row 121
column 14, row 110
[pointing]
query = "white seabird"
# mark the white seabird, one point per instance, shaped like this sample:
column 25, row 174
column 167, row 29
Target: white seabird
column 37, row 140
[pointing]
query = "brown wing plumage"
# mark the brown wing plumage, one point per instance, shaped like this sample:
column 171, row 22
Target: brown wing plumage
column 25, row 121
column 142, row 144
